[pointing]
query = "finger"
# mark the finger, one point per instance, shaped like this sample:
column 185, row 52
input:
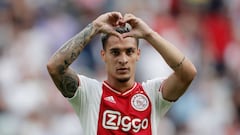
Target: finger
column 116, row 15
column 115, row 33
column 128, row 18
column 121, row 22
column 128, row 15
column 128, row 34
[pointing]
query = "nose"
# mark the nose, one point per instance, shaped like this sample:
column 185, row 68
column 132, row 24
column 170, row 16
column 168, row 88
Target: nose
column 123, row 59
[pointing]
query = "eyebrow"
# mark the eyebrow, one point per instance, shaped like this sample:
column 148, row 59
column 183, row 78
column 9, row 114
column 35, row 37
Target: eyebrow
column 114, row 49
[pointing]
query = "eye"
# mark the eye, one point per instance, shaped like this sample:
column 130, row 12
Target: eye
column 130, row 51
column 115, row 52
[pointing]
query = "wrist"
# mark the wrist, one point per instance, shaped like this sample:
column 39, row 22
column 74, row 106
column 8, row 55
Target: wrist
column 149, row 35
column 96, row 26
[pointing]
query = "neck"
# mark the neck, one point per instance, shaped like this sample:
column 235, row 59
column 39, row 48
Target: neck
column 121, row 86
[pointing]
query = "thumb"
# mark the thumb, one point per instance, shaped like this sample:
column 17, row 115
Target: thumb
column 128, row 34
column 115, row 33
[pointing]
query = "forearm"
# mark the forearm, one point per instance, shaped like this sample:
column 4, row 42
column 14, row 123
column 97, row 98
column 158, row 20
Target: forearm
column 182, row 66
column 71, row 49
column 168, row 51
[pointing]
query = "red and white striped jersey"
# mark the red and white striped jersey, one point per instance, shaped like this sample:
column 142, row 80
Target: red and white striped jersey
column 103, row 110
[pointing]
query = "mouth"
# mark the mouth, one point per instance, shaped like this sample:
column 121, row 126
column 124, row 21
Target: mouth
column 122, row 70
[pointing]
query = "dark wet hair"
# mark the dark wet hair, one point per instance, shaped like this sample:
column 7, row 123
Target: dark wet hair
column 125, row 29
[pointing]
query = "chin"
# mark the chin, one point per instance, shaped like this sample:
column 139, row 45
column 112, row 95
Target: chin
column 126, row 79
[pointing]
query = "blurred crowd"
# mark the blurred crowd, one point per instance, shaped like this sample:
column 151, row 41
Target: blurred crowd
column 207, row 31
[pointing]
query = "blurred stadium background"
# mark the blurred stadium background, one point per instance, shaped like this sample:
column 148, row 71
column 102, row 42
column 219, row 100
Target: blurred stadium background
column 207, row 31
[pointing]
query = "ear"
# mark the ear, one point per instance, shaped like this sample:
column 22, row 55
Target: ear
column 103, row 55
column 138, row 54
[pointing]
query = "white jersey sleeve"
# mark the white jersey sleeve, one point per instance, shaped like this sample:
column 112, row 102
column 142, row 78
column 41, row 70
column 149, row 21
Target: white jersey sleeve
column 160, row 106
column 153, row 89
column 86, row 103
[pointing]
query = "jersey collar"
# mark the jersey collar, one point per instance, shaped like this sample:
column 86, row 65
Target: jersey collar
column 117, row 92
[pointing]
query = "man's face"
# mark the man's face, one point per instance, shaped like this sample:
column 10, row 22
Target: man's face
column 120, row 57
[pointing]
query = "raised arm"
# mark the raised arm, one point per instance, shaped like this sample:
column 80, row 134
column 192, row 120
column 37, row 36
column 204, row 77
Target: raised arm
column 184, row 71
column 62, row 75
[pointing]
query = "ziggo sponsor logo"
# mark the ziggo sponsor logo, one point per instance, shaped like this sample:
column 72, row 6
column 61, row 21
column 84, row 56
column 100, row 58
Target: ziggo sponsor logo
column 114, row 120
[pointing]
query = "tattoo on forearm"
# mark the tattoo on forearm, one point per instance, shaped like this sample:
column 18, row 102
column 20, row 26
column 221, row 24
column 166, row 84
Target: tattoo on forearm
column 65, row 79
column 68, row 85
column 71, row 49
column 179, row 64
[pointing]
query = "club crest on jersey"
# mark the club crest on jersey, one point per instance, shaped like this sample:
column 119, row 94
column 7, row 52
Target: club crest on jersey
column 139, row 102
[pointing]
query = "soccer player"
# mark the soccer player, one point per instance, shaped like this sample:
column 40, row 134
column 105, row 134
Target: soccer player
column 120, row 105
